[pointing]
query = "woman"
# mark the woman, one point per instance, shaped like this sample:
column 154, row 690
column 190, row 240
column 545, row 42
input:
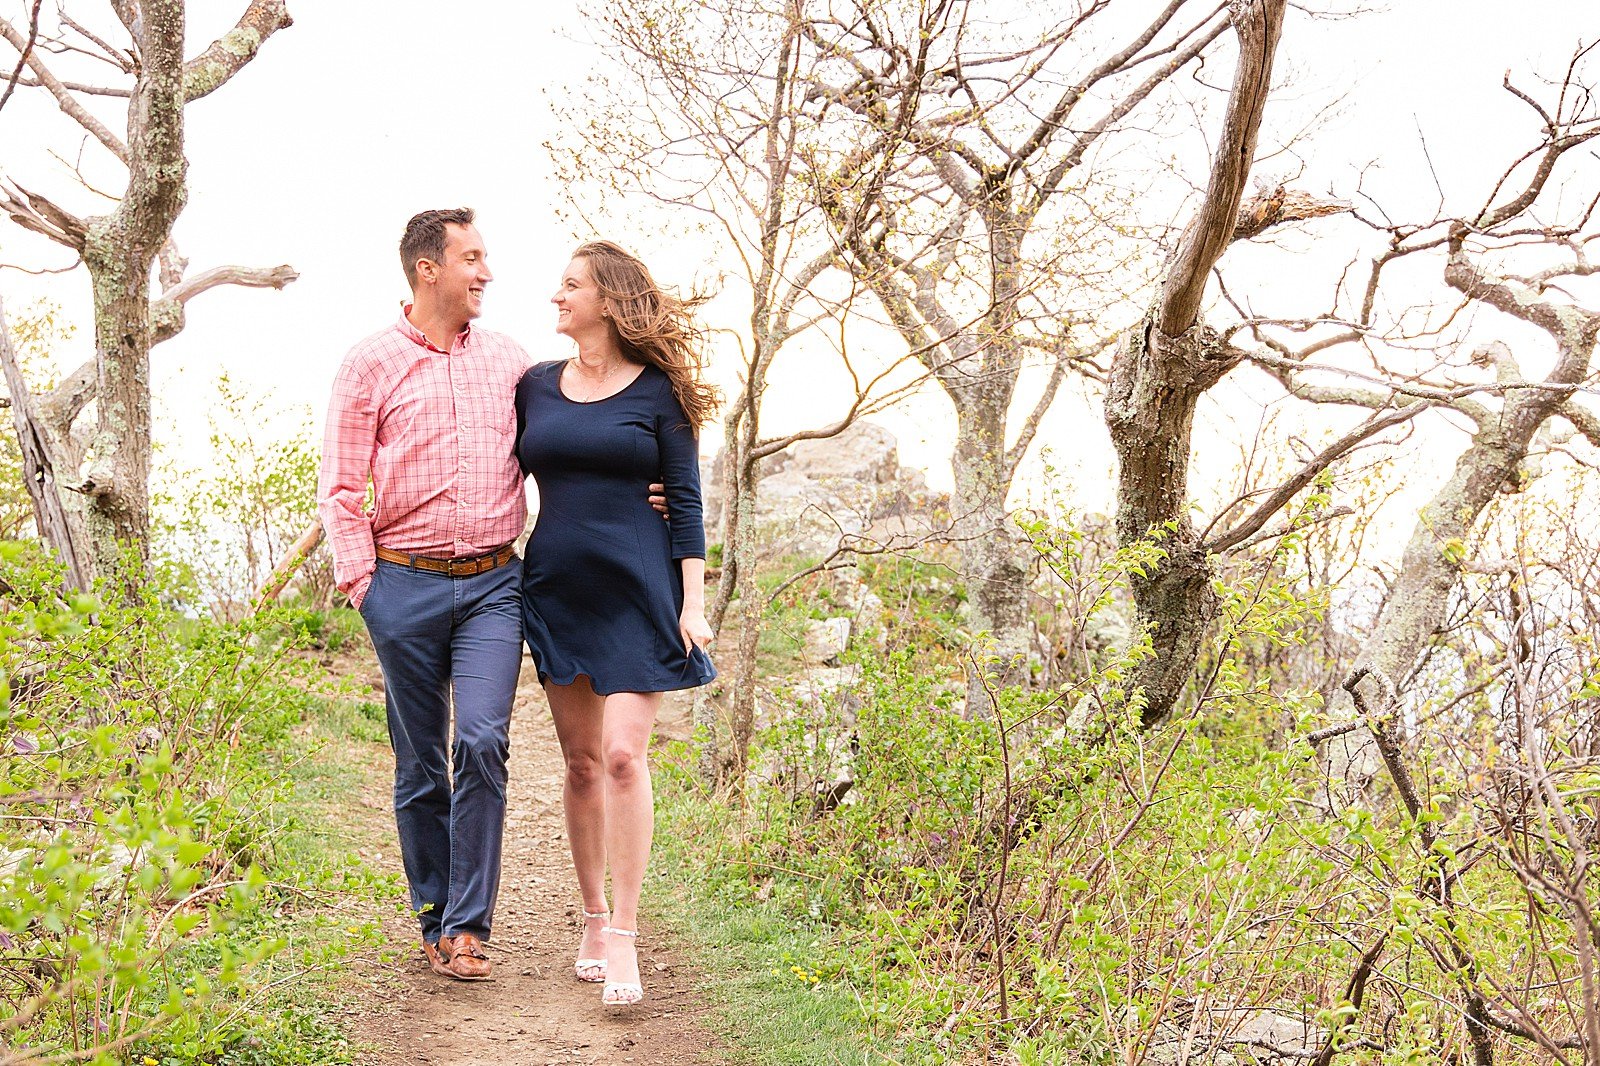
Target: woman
column 613, row 597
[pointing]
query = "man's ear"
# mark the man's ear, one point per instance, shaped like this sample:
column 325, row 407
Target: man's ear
column 427, row 272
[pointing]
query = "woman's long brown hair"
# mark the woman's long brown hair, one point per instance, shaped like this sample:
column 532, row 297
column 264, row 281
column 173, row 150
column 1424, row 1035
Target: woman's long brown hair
column 653, row 326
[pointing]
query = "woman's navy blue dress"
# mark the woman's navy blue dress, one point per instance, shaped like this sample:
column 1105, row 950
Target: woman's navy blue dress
column 601, row 584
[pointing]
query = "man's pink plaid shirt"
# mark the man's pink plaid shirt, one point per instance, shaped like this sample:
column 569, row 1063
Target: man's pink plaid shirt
column 433, row 431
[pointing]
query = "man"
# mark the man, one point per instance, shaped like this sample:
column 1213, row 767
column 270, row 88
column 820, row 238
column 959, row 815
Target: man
column 423, row 409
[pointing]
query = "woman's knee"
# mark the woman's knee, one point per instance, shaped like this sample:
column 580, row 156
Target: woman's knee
column 624, row 764
column 584, row 771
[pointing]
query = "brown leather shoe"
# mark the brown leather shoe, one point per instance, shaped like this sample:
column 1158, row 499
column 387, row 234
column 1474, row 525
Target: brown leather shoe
column 468, row 961
column 438, row 957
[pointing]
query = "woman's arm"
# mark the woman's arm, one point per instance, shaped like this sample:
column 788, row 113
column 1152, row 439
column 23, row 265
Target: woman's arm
column 680, row 472
column 679, row 451
column 692, row 622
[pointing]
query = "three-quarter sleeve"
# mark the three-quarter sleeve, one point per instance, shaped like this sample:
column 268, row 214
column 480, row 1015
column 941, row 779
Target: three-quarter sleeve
column 520, row 400
column 680, row 473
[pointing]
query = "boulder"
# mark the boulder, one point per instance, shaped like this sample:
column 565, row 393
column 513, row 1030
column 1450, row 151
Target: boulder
column 826, row 640
column 818, row 492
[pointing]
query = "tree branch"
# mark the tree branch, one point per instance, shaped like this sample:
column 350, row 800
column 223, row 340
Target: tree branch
column 32, row 211
column 1274, row 207
column 228, row 54
column 1259, row 24
column 1285, row 492
column 166, row 314
column 70, row 396
column 27, row 50
column 1051, row 124
column 64, row 98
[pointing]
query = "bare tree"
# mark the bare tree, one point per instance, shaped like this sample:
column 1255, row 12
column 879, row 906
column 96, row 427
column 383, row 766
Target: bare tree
column 109, row 465
column 1169, row 362
column 966, row 202
column 1502, row 255
column 1160, row 375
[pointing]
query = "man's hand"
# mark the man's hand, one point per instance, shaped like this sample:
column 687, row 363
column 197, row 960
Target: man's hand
column 358, row 591
column 658, row 499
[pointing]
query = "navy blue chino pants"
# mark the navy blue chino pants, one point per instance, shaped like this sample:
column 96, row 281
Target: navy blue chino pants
column 444, row 640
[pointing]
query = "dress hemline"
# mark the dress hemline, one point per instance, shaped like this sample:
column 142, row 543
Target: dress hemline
column 661, row 686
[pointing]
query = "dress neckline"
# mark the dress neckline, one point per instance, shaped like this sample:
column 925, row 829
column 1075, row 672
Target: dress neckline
column 561, row 369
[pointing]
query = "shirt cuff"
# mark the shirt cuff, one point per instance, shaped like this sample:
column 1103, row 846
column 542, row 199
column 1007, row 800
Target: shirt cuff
column 358, row 591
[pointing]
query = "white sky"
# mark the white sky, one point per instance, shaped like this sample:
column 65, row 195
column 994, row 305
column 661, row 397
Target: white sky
column 363, row 113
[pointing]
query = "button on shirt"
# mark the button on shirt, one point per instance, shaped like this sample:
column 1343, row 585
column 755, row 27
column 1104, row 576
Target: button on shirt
column 433, row 432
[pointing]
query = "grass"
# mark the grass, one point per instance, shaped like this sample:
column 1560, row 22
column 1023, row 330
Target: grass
column 749, row 950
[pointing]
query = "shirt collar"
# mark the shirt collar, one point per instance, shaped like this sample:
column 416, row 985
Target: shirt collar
column 416, row 336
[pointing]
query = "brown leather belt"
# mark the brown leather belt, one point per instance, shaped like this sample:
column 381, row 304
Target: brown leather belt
column 466, row 567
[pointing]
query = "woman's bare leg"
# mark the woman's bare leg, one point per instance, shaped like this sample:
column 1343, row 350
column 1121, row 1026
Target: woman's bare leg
column 579, row 716
column 630, row 822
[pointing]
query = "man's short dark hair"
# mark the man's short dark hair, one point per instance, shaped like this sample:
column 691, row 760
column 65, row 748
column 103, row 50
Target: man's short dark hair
column 424, row 237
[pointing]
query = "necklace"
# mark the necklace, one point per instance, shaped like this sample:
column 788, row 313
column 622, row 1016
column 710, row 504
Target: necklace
column 599, row 384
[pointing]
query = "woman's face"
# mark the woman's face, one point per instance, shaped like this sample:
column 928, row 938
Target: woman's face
column 580, row 309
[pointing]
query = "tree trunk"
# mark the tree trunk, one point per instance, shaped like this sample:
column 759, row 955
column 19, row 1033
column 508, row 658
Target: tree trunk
column 1150, row 408
column 742, row 548
column 111, row 466
column 1161, row 372
column 1430, row 568
column 117, row 477
column 119, row 251
column 993, row 563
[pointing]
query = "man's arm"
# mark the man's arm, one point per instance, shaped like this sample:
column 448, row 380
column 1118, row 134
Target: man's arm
column 349, row 446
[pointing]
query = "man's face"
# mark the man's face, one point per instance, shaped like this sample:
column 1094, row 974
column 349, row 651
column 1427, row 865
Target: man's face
column 460, row 279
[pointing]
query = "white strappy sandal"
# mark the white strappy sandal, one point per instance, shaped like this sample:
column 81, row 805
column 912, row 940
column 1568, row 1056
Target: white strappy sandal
column 622, row 993
column 596, row 966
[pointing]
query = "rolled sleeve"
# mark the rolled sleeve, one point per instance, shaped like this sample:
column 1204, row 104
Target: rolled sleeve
column 349, row 447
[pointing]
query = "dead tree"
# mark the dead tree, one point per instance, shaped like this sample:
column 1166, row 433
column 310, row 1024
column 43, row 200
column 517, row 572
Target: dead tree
column 967, row 203
column 1507, row 407
column 1160, row 374
column 51, row 517
column 108, row 465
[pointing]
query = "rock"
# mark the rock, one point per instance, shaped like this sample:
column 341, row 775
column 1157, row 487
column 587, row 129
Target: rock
column 1270, row 1038
column 864, row 452
column 826, row 640
column 1268, row 1032
column 820, row 492
column 826, row 700
column 829, row 685
column 851, row 594
column 1167, row 1049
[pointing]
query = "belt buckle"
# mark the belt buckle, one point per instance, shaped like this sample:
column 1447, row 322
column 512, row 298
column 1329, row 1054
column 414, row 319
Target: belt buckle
column 467, row 567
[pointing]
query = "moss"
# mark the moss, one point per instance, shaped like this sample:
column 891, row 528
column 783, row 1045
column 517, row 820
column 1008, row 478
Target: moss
column 241, row 43
column 202, row 79
column 166, row 318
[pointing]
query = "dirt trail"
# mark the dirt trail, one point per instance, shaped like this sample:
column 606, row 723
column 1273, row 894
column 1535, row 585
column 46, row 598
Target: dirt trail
column 534, row 1012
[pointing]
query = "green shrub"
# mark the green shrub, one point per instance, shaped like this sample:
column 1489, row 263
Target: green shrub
column 1055, row 883
column 142, row 889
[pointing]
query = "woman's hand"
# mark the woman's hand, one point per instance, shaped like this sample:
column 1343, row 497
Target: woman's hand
column 695, row 630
